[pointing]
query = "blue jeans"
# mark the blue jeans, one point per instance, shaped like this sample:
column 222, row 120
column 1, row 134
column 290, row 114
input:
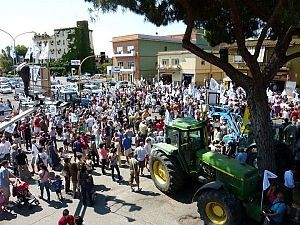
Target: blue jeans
column 45, row 185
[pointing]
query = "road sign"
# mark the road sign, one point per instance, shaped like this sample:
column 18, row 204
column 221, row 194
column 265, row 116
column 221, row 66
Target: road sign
column 116, row 69
column 75, row 62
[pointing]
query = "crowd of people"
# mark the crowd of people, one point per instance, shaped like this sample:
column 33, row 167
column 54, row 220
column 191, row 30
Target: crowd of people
column 119, row 122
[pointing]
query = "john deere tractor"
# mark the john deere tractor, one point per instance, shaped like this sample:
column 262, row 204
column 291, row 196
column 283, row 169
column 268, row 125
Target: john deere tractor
column 229, row 189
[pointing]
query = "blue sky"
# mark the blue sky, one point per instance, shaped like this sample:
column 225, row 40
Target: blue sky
column 18, row 16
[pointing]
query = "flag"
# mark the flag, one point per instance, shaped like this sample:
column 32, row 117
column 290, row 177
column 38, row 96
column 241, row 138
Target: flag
column 213, row 85
column 29, row 52
column 12, row 52
column 268, row 175
column 35, row 52
column 45, row 52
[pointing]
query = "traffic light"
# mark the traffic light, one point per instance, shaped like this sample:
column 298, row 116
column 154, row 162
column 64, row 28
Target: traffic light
column 224, row 54
column 102, row 57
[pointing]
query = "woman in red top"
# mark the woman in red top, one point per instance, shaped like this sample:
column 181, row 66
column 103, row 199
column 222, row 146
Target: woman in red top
column 84, row 143
column 103, row 155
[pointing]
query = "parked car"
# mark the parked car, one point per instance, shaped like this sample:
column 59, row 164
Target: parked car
column 14, row 84
column 122, row 84
column 71, row 86
column 72, row 78
column 5, row 89
column 92, row 89
column 19, row 97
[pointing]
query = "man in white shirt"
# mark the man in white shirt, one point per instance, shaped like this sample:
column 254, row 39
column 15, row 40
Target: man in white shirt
column 5, row 149
column 90, row 122
column 2, row 150
column 141, row 154
column 289, row 185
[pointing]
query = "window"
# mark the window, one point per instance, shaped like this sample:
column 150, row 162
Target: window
column 51, row 42
column 202, row 62
column 63, row 42
column 119, row 50
column 130, row 65
column 175, row 61
column 238, row 59
column 173, row 136
column 130, row 48
column 165, row 62
column 166, row 48
column 120, row 64
column 58, row 42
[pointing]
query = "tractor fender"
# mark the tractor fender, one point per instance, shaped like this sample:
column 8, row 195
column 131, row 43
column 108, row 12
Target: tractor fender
column 214, row 185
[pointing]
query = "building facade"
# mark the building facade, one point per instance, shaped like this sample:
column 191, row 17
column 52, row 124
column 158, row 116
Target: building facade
column 54, row 47
column 135, row 56
column 178, row 66
column 289, row 72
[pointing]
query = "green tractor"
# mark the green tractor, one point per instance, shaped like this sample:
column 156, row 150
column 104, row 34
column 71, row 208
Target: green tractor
column 229, row 189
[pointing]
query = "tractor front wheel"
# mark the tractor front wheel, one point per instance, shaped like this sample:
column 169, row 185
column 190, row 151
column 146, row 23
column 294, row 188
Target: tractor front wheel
column 165, row 172
column 218, row 207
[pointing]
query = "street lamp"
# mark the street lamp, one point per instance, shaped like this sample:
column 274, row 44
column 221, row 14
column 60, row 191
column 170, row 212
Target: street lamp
column 14, row 42
column 79, row 72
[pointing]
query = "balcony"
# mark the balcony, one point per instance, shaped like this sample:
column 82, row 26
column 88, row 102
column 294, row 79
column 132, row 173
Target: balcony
column 165, row 68
column 127, row 70
column 124, row 54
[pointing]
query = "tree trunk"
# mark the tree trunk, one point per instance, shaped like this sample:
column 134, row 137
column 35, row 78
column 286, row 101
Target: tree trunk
column 262, row 126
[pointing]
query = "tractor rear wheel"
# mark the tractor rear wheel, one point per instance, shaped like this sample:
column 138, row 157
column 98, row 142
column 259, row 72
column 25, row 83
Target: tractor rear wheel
column 165, row 171
column 217, row 207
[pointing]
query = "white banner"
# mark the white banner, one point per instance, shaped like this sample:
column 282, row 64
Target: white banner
column 45, row 52
column 268, row 175
column 74, row 118
column 11, row 128
column 52, row 109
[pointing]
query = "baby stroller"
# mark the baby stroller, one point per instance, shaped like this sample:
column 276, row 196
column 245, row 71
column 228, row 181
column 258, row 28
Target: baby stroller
column 24, row 197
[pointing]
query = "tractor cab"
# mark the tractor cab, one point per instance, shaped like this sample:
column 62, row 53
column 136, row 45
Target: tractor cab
column 188, row 136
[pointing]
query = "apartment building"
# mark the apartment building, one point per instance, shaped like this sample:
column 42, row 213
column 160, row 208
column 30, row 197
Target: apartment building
column 63, row 41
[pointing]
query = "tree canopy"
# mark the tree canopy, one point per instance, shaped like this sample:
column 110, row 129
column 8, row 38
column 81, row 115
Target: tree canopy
column 21, row 50
column 6, row 60
column 228, row 21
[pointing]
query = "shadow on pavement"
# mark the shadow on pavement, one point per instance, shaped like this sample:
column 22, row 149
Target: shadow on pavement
column 101, row 188
column 7, row 216
column 27, row 211
column 101, row 207
column 148, row 193
column 56, row 204
column 186, row 193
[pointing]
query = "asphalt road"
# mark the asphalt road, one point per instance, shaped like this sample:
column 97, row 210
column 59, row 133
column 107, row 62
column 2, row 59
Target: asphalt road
column 114, row 204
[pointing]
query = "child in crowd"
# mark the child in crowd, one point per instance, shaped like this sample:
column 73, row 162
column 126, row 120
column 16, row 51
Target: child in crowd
column 58, row 186
column 89, row 164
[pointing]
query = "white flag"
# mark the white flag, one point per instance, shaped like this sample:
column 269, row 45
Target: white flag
column 36, row 52
column 45, row 52
column 213, row 85
column 12, row 52
column 29, row 51
column 268, row 175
